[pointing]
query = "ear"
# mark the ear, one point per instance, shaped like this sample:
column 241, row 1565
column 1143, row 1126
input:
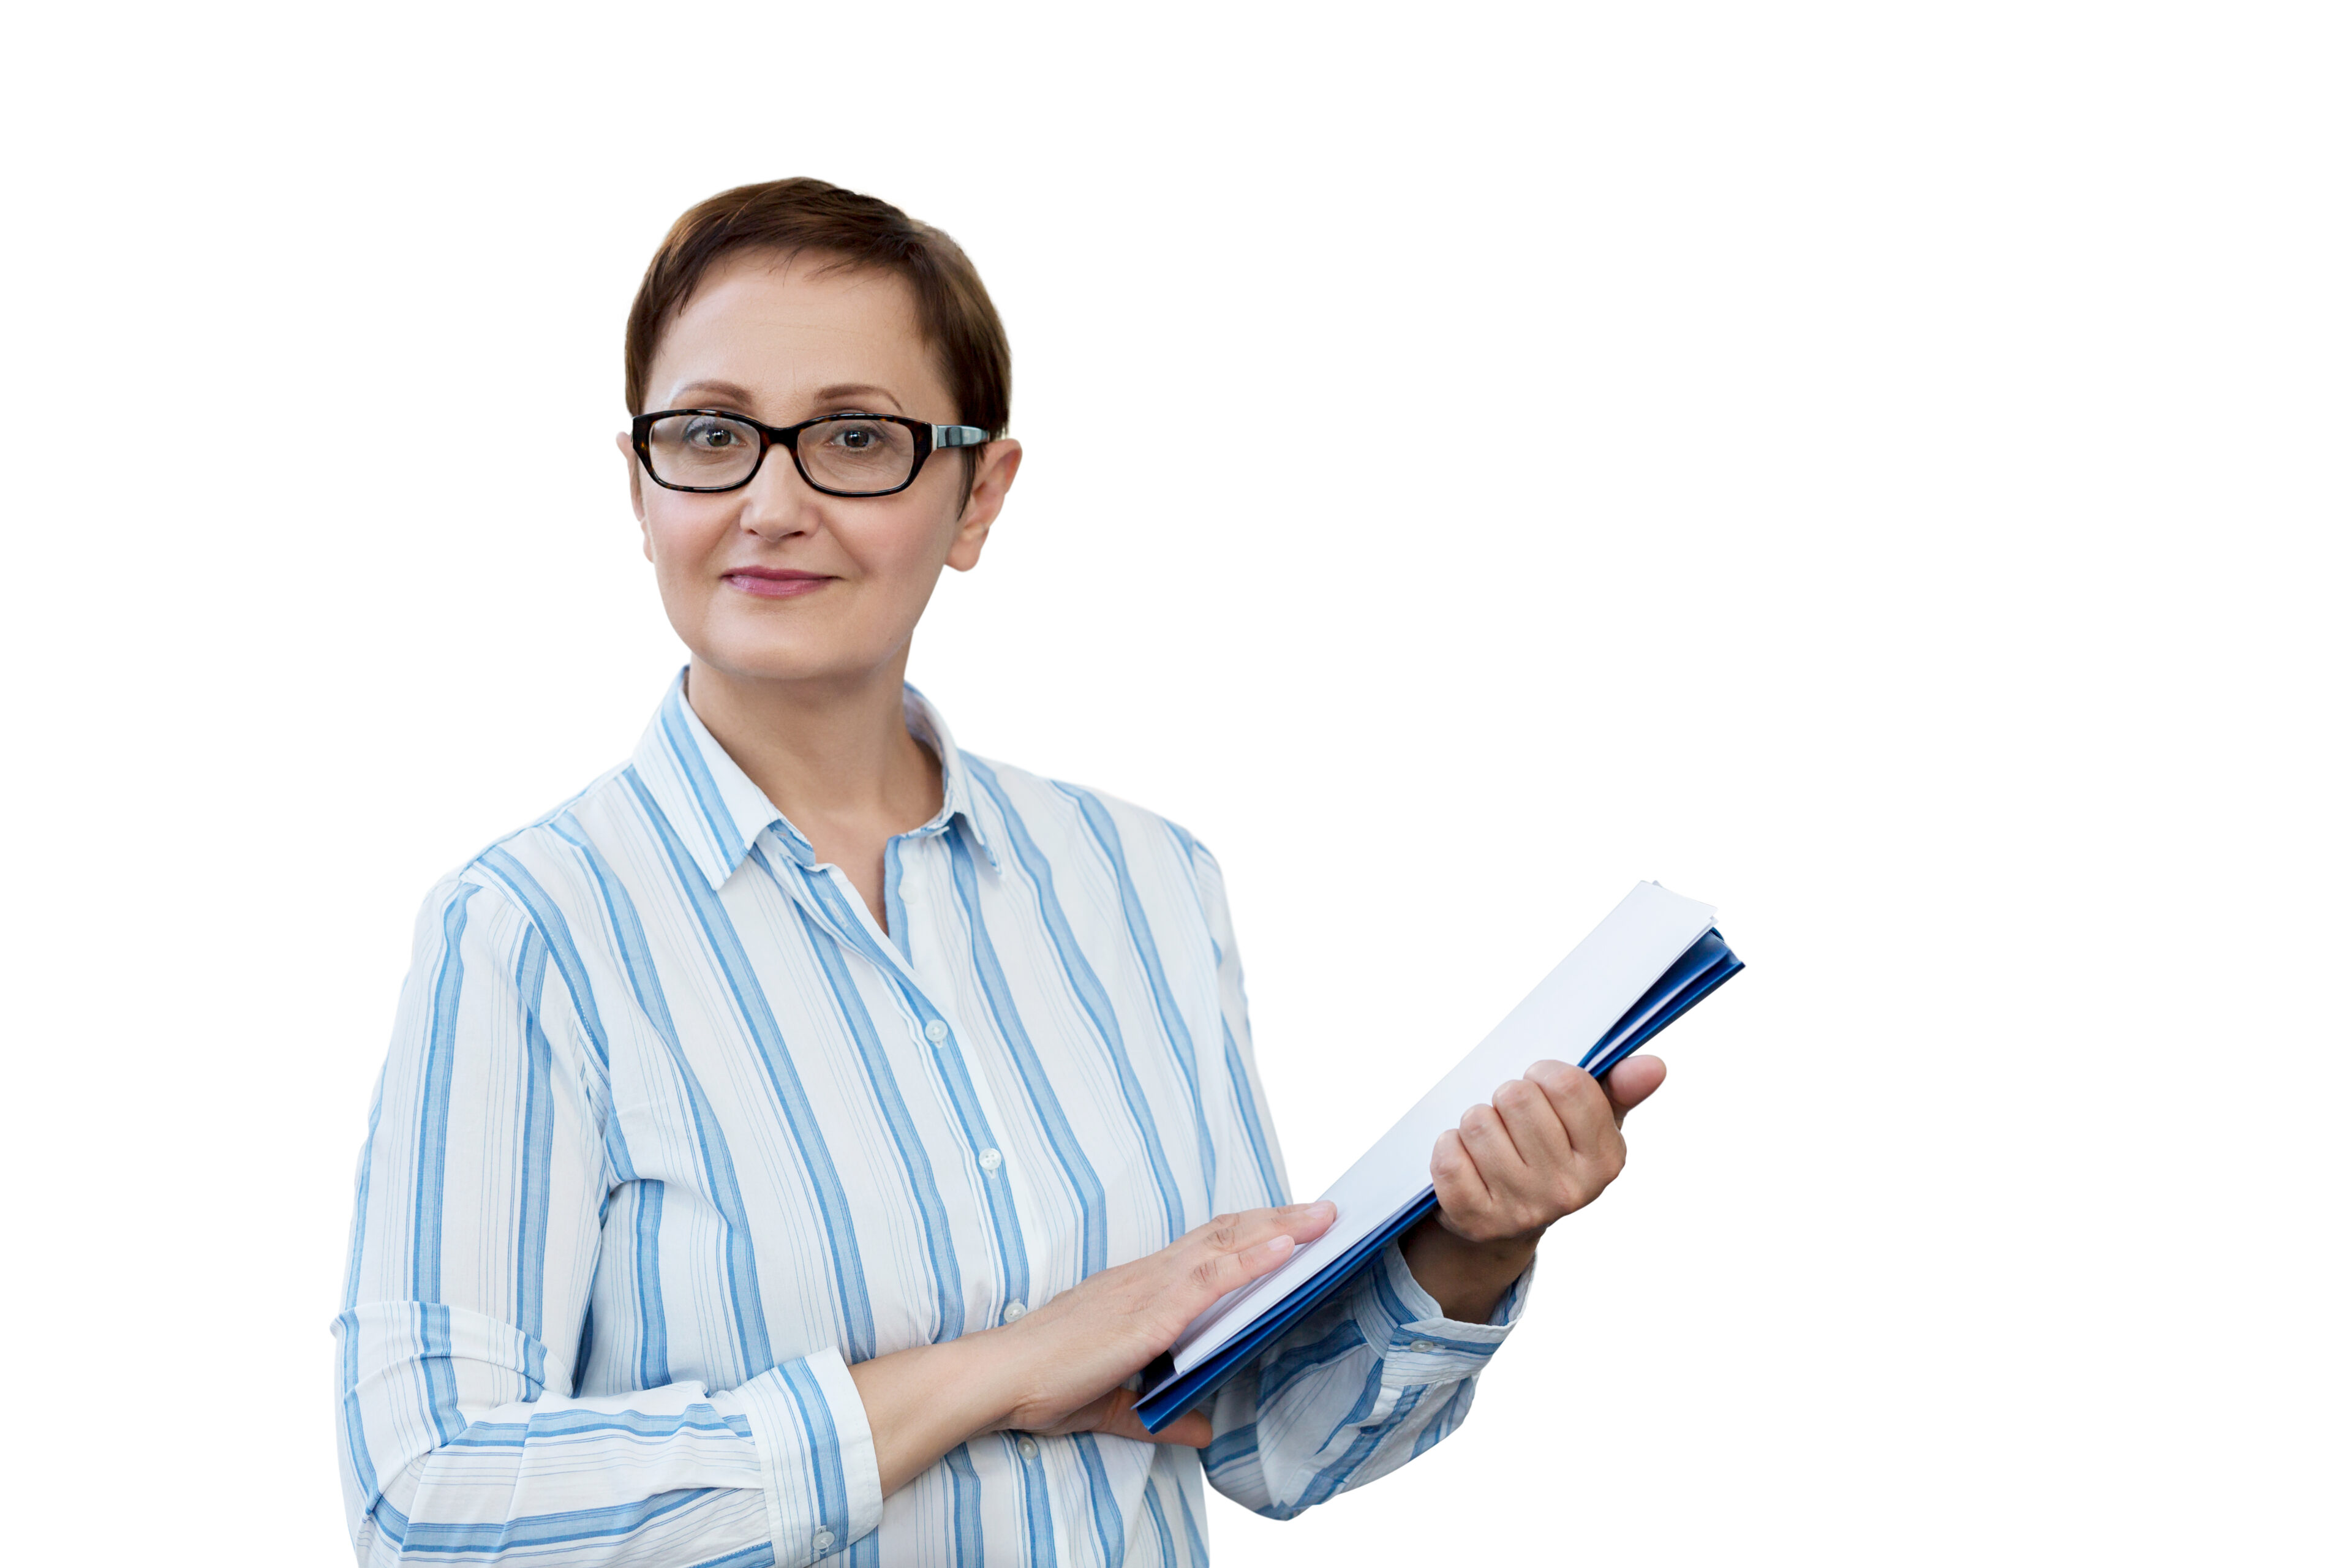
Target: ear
column 636, row 490
column 992, row 477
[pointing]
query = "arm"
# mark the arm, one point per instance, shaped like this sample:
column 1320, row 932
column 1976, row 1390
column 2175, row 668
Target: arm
column 1363, row 1386
column 1378, row 1377
column 481, row 1195
column 1545, row 1148
column 1366, row 1380
column 480, row 1201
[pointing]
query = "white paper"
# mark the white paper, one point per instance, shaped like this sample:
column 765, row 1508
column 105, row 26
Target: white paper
column 1561, row 1018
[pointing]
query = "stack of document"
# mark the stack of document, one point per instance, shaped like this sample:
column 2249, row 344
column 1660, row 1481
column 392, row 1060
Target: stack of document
column 1654, row 956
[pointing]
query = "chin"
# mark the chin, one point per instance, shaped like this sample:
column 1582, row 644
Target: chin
column 792, row 659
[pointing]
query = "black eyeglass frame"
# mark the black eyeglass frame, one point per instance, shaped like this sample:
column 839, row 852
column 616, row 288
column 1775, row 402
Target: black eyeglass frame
column 928, row 439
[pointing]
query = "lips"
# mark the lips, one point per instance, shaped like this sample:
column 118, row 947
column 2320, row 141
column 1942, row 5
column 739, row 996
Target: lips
column 774, row 582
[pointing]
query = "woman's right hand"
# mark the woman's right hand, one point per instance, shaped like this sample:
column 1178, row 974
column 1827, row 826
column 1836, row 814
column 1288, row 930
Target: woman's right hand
column 1071, row 1355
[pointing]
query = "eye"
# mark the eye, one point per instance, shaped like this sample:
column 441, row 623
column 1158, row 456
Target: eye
column 712, row 435
column 858, row 436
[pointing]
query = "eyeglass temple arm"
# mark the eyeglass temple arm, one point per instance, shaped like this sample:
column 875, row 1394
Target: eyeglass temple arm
column 959, row 436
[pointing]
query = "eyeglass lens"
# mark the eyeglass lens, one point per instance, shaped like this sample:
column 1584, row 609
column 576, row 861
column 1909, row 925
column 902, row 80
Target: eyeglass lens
column 852, row 455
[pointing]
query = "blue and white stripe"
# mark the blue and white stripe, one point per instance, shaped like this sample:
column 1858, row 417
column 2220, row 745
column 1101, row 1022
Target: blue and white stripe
column 672, row 1133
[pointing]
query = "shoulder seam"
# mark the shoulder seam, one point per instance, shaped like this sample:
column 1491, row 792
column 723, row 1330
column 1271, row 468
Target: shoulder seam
column 474, row 861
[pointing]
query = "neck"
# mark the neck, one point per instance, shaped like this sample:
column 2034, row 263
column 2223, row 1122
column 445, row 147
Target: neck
column 826, row 754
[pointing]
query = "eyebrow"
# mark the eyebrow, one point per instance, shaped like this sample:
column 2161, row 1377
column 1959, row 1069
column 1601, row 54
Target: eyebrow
column 728, row 391
column 843, row 390
column 722, row 389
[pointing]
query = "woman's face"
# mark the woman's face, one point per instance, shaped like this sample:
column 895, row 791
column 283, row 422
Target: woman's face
column 778, row 582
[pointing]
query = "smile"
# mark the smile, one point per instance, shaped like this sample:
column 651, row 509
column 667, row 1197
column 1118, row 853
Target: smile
column 770, row 583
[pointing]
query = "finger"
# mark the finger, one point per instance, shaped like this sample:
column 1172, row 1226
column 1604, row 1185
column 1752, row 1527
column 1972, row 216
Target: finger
column 1251, row 1227
column 1191, row 1429
column 1215, row 1272
column 1255, row 1225
column 1490, row 1143
column 1534, row 1125
column 1631, row 1081
column 1584, row 1109
column 1232, row 1249
column 1114, row 1415
column 1461, row 1187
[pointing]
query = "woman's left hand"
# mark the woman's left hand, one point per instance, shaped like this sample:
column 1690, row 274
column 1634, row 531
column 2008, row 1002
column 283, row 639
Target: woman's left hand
column 1547, row 1146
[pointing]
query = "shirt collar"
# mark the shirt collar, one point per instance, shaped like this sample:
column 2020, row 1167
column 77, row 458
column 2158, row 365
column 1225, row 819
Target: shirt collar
column 718, row 813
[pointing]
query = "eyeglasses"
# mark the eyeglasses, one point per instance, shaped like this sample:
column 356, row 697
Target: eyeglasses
column 702, row 449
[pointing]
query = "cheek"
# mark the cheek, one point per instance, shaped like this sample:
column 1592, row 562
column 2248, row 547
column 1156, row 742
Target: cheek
column 903, row 546
column 680, row 540
column 679, row 532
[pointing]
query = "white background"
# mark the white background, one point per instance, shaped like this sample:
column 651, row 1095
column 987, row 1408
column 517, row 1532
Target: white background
column 1879, row 469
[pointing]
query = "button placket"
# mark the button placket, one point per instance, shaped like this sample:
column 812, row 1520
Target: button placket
column 958, row 1070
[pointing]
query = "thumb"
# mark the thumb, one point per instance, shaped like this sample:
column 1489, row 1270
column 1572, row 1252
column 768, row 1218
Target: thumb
column 1631, row 1081
column 1114, row 1416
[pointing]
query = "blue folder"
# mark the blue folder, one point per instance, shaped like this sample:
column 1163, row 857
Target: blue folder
column 1165, row 1396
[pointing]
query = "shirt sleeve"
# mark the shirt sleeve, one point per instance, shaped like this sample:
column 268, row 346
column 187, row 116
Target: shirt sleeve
column 1366, row 1381
column 481, row 1193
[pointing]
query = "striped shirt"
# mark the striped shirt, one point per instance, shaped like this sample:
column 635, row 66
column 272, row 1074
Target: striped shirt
column 672, row 1132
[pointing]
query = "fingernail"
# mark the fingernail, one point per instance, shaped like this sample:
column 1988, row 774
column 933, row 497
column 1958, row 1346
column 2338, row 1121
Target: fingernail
column 1322, row 1208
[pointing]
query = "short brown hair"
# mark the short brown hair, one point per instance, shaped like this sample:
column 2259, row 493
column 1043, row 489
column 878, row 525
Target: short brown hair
column 791, row 216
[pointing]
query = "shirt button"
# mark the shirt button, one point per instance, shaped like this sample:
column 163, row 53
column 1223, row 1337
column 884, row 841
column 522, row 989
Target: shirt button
column 936, row 1032
column 1423, row 1345
column 1012, row 1310
column 824, row 1541
column 990, row 1159
column 1028, row 1447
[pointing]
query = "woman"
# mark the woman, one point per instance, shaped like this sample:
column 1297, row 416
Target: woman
column 795, row 1143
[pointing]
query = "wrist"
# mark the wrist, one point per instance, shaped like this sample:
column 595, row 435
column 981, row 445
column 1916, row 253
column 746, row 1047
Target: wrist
column 1435, row 1237
column 922, row 1401
column 1002, row 1363
column 1467, row 1279
column 944, row 1392
column 1508, row 1252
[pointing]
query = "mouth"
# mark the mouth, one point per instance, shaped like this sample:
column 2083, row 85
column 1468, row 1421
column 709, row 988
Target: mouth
column 773, row 581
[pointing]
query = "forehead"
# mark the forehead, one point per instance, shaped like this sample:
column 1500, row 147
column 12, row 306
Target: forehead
column 787, row 329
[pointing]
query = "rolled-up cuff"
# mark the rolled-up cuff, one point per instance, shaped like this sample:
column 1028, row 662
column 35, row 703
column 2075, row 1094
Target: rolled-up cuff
column 1417, row 1342
column 816, row 1458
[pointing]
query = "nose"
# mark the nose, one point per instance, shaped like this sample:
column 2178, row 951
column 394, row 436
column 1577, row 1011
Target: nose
column 778, row 503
